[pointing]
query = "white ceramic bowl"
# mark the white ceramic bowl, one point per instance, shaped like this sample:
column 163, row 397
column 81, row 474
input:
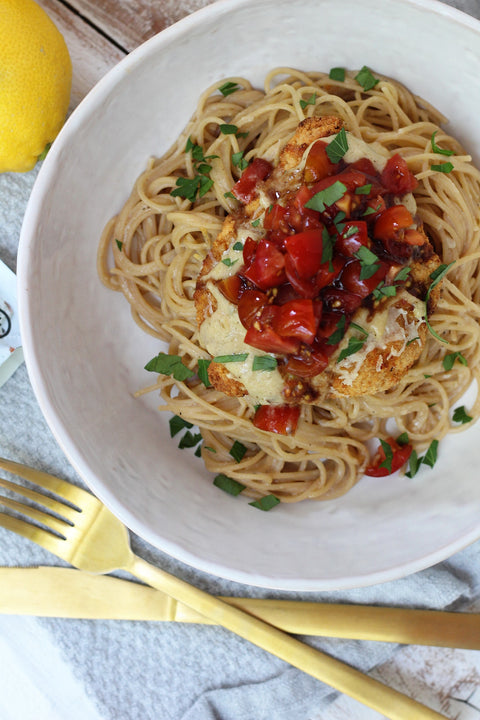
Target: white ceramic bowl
column 85, row 356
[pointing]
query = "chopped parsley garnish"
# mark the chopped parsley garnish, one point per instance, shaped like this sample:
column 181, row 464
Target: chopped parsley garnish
column 119, row 244
column 238, row 246
column 237, row 451
column 227, row 129
column 359, row 328
column 363, row 189
column 200, row 183
column 338, row 147
column 230, row 195
column 169, row 365
column 256, row 222
column 239, row 161
column 240, row 357
column 445, row 167
column 338, row 334
column 460, row 415
column 354, row 345
column 439, row 150
column 265, row 503
column 264, row 362
column 430, row 458
column 310, row 101
column 328, row 242
column 228, row 88
column 402, row 274
column 327, row 197
column 229, row 262
column 387, row 463
column 337, row 73
column 371, row 210
column 383, row 290
column 177, row 423
column 189, row 440
column 366, row 79
column 369, row 263
column 203, row 371
column 449, row 360
column 228, row 484
column 436, row 276
column 403, row 439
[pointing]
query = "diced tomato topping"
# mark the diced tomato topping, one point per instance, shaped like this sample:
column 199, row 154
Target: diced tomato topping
column 318, row 165
column 400, row 455
column 352, row 237
column 297, row 318
column 275, row 219
column 350, row 177
column 245, row 188
column 250, row 306
column 305, row 250
column 249, row 250
column 351, row 278
column 341, row 300
column 266, row 269
column 231, row 287
column 308, row 363
column 375, row 206
column 269, row 341
column 281, row 419
column 414, row 237
column 393, row 219
column 396, row 176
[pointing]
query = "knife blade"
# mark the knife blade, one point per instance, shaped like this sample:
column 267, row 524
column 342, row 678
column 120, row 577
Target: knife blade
column 69, row 593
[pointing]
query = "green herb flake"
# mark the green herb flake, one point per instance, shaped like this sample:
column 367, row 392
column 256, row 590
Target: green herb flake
column 337, row 74
column 436, row 276
column 203, row 371
column 450, row 358
column 169, row 365
column 176, row 424
column 228, row 485
column 237, row 451
column 326, row 198
column 229, row 195
column 310, row 101
column 238, row 246
column 460, row 415
column 431, row 454
column 403, row 439
column 198, row 451
column 338, row 147
column 227, row 129
column 366, row 79
column 369, row 263
column 371, row 210
column 387, row 463
column 439, row 150
column 229, row 262
column 264, row 362
column 239, row 161
column 445, row 167
column 338, row 334
column 363, row 189
column 359, row 328
column 383, row 290
column 265, row 503
column 256, row 222
column 328, row 242
column 402, row 274
column 354, row 345
column 228, row 88
column 240, row 357
column 189, row 440
column 414, row 464
column 119, row 244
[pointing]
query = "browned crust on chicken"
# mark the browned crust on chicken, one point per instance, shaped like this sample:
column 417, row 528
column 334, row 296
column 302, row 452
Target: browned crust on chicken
column 370, row 379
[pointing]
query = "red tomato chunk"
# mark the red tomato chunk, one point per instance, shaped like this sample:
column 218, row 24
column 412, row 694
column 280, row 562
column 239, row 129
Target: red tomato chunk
column 281, row 419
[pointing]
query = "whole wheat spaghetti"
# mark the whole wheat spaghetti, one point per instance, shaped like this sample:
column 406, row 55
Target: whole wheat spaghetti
column 153, row 251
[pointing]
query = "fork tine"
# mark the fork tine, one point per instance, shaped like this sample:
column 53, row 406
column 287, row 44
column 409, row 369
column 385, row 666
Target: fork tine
column 32, row 532
column 71, row 493
column 39, row 498
column 50, row 521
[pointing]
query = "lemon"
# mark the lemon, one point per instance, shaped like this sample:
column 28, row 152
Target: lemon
column 35, row 83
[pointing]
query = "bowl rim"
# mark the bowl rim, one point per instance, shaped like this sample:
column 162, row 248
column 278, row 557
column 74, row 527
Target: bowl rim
column 42, row 186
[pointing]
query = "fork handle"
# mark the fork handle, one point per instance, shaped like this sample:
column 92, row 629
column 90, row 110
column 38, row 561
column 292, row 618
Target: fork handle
column 335, row 673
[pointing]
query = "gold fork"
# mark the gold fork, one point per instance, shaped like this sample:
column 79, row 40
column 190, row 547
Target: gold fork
column 88, row 536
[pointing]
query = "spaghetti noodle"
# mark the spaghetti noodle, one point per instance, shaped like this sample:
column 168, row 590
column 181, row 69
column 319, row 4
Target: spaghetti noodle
column 159, row 241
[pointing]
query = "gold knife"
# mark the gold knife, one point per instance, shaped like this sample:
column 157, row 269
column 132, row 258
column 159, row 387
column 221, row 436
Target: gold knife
column 70, row 593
